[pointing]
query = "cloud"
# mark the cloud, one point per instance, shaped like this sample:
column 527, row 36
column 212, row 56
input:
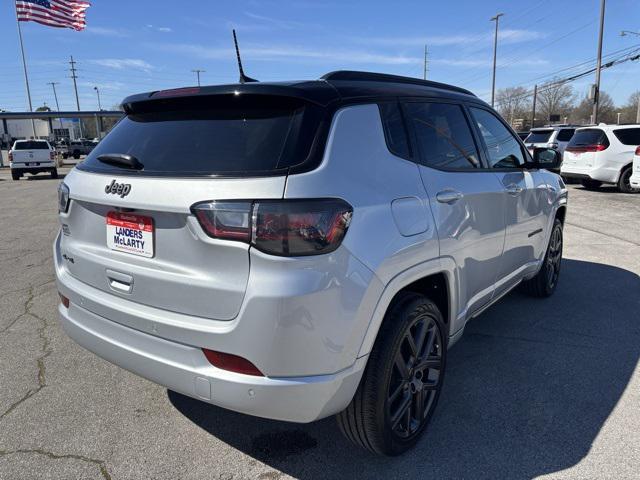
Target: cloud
column 107, row 32
column 281, row 24
column 287, row 53
column 103, row 85
column 123, row 63
column 505, row 36
column 160, row 29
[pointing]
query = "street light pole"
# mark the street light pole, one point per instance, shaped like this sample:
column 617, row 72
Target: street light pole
column 495, row 52
column 98, row 93
column 596, row 101
column 55, row 95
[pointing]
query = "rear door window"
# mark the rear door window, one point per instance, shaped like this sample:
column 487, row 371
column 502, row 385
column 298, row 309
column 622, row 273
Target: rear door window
column 219, row 135
column 442, row 135
column 395, row 131
column 565, row 134
column 628, row 136
column 539, row 136
column 31, row 145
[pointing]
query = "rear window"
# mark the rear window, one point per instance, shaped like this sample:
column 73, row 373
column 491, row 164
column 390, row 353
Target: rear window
column 221, row 135
column 589, row 136
column 539, row 136
column 31, row 145
column 628, row 136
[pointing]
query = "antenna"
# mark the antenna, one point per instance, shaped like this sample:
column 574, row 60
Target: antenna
column 243, row 77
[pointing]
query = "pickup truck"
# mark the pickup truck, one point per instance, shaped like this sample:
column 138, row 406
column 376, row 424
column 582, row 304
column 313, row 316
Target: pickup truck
column 32, row 156
column 77, row 148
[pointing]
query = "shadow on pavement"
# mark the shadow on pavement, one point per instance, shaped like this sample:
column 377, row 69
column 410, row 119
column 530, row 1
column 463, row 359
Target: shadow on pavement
column 528, row 388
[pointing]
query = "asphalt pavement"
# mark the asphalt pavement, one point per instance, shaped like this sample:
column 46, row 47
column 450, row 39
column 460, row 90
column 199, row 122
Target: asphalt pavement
column 535, row 388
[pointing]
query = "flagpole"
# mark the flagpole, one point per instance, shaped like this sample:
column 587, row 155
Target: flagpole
column 26, row 76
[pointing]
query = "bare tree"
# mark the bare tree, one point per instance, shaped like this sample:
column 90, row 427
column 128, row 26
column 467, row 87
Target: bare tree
column 555, row 98
column 630, row 110
column 606, row 110
column 513, row 103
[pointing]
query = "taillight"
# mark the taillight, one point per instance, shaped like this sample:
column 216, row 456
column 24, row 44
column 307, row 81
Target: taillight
column 11, row 156
column 637, row 151
column 52, row 155
column 231, row 363
column 63, row 198
column 596, row 147
column 278, row 227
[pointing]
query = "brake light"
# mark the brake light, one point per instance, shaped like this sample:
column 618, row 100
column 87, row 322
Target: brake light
column 597, row 147
column 278, row 227
column 175, row 92
column 637, row 151
column 231, row 363
column 11, row 156
column 52, row 155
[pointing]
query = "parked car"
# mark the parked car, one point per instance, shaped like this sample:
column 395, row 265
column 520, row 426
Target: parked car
column 634, row 180
column 33, row 157
column 553, row 136
column 79, row 147
column 602, row 154
column 321, row 260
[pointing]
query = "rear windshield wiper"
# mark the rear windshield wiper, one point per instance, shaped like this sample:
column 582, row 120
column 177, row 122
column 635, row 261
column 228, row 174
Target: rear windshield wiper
column 121, row 160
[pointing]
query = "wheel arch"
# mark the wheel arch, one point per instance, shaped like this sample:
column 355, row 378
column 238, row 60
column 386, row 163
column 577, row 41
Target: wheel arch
column 430, row 279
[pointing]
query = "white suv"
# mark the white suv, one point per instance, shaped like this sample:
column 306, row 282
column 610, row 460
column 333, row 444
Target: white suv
column 295, row 250
column 552, row 136
column 635, row 176
column 602, row 154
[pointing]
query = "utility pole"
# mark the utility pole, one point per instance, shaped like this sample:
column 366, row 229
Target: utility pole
column 75, row 88
column 638, row 111
column 197, row 71
column 596, row 99
column 535, row 99
column 426, row 63
column 55, row 96
column 495, row 53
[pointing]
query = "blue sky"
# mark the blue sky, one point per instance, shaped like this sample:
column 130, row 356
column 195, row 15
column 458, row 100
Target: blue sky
column 132, row 46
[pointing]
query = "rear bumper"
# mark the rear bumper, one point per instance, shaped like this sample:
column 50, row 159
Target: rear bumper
column 301, row 327
column 23, row 168
column 601, row 174
column 184, row 369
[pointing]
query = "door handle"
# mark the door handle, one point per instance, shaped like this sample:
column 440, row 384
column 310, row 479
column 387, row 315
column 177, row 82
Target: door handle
column 449, row 196
column 514, row 189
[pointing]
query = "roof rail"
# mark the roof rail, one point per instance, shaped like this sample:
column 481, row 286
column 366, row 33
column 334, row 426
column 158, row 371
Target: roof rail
column 356, row 76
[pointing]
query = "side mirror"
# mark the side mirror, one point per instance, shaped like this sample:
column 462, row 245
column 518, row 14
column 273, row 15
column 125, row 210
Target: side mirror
column 547, row 158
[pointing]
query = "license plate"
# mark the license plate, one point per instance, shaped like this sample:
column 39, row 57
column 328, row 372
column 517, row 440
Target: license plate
column 130, row 233
column 33, row 164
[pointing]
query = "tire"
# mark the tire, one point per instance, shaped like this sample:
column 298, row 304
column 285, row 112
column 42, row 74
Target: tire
column 15, row 175
column 54, row 173
column 367, row 421
column 624, row 182
column 544, row 283
column 591, row 184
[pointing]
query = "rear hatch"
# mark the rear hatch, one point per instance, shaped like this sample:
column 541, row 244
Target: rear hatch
column 539, row 138
column 582, row 150
column 129, row 230
column 31, row 151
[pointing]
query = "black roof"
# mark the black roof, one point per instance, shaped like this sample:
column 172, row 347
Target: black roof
column 334, row 87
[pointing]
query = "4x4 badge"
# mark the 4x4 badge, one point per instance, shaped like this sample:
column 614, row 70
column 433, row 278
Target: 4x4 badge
column 121, row 189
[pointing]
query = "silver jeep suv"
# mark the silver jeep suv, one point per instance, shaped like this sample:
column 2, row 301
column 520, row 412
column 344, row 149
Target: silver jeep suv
column 302, row 249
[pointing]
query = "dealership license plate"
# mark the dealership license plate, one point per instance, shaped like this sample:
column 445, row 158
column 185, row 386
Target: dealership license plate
column 130, row 233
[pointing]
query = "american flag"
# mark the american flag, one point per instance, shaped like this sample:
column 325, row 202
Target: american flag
column 54, row 13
